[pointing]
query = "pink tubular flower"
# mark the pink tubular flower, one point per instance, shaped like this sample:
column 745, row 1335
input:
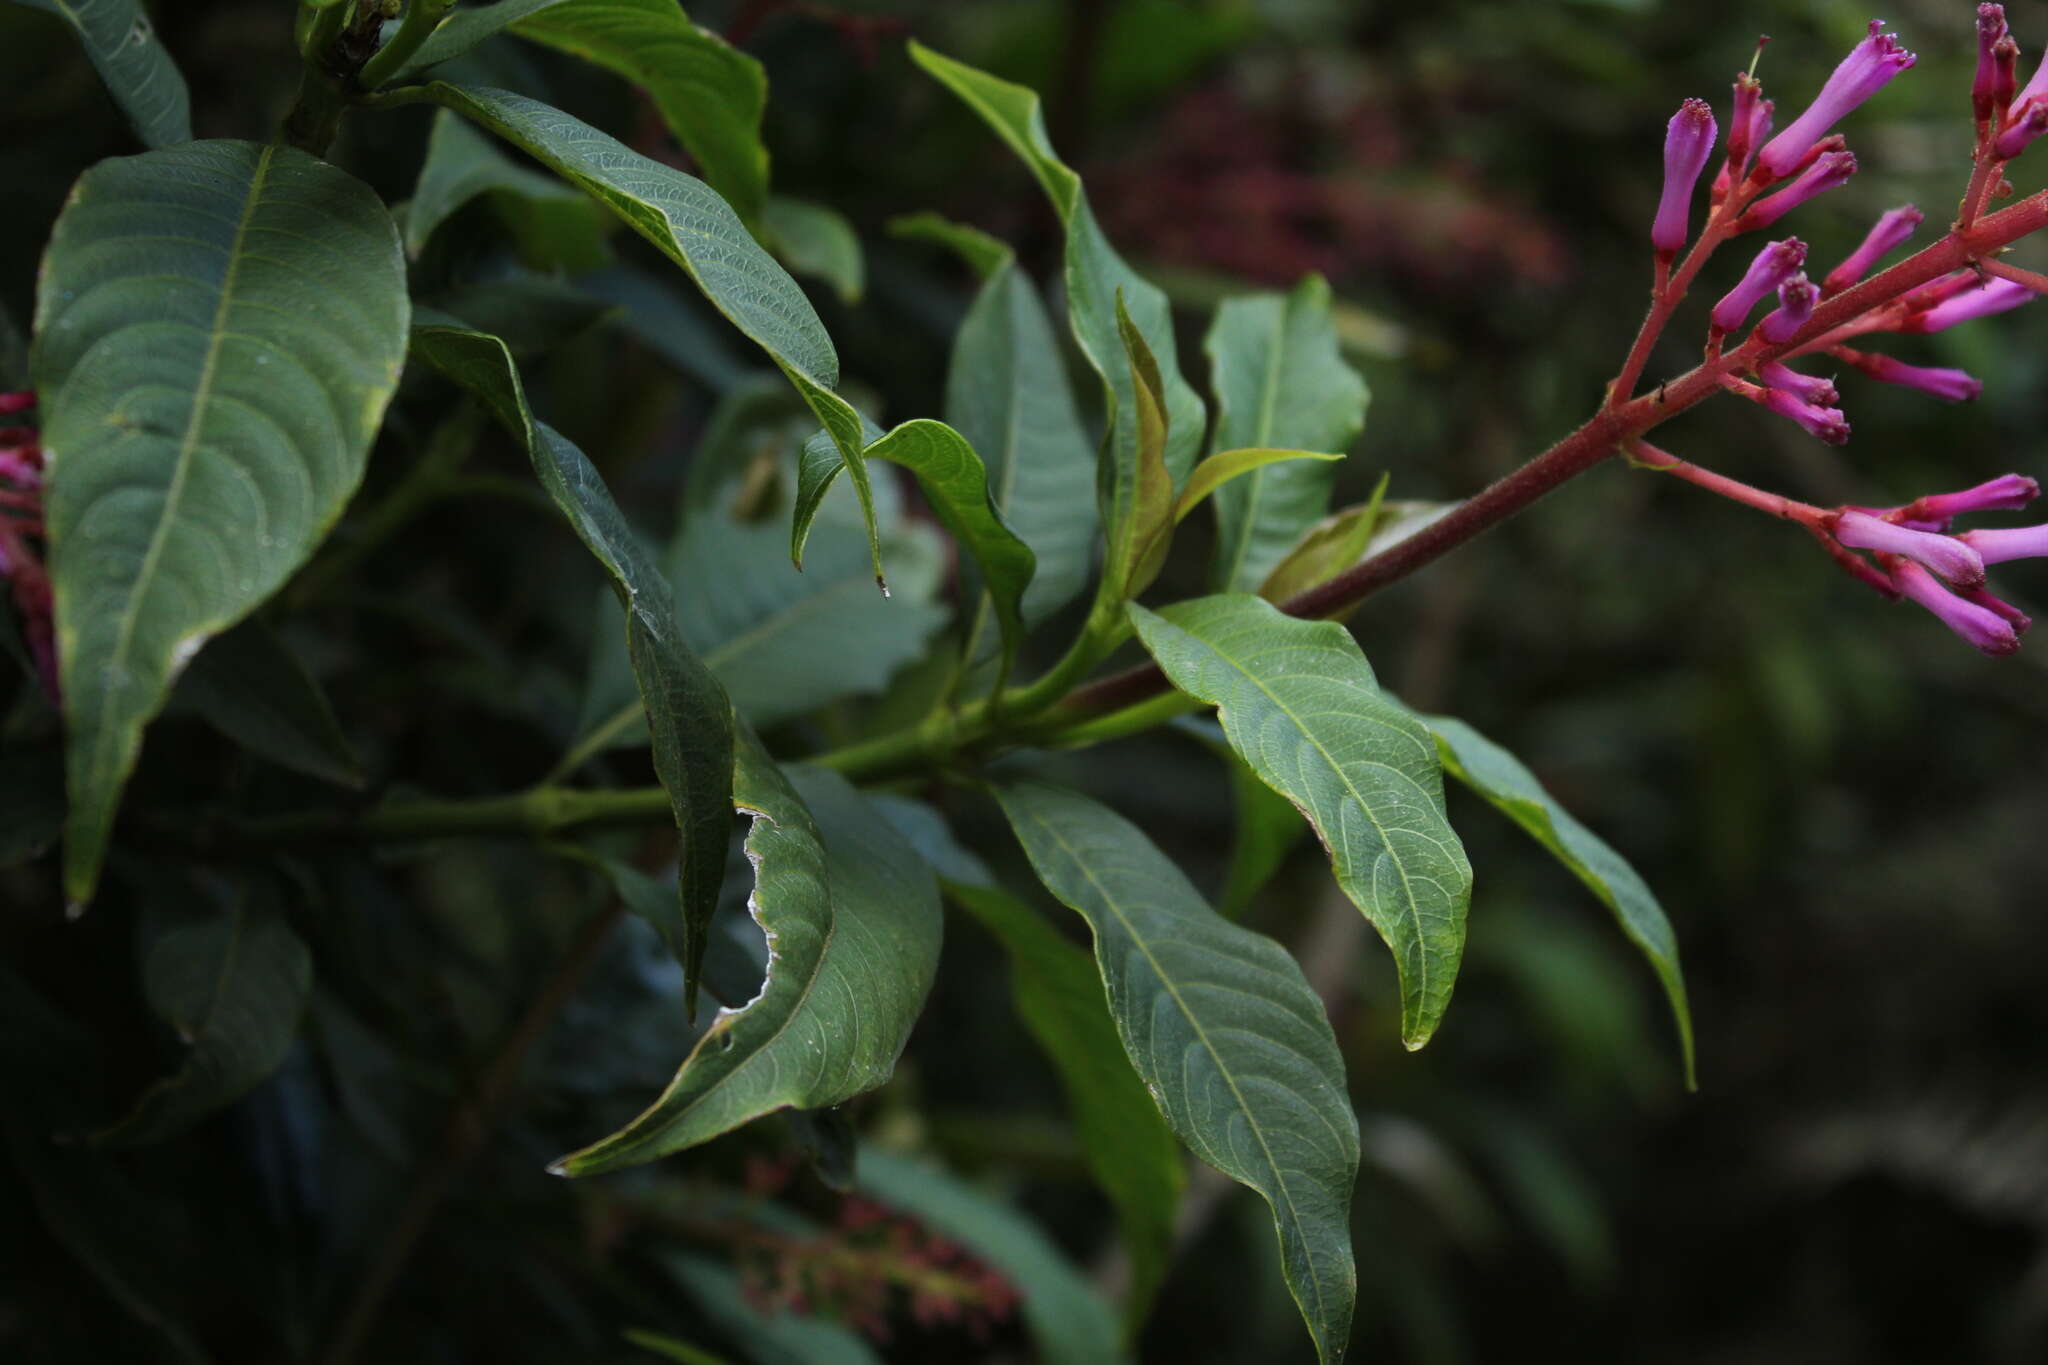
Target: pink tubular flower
column 1945, row 555
column 1796, row 298
column 1996, row 296
column 1990, row 32
column 2021, row 130
column 1810, row 388
column 1951, row 386
column 1998, row 545
column 1892, row 228
column 1824, row 424
column 2006, row 493
column 1773, row 265
column 1750, row 122
column 1826, row 173
column 2035, row 88
column 1984, row 627
column 1688, row 142
column 1870, row 65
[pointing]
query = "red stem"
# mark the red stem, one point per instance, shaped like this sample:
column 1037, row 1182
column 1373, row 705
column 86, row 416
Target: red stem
column 2032, row 279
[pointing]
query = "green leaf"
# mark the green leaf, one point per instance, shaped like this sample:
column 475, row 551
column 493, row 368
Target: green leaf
column 218, row 328
column 1095, row 277
column 670, row 1349
column 1501, row 779
column 1220, row 470
column 1141, row 528
column 122, row 44
column 709, row 93
column 1128, row 1147
column 1226, row 1033
column 853, row 925
column 254, row 690
column 1299, row 702
column 690, row 716
column 1069, row 1320
column 985, row 254
column 817, row 241
column 234, row 985
column 1345, row 538
column 1280, row 381
column 955, row 483
column 767, row 1338
column 1007, row 394
column 554, row 226
column 697, row 230
column 784, row 643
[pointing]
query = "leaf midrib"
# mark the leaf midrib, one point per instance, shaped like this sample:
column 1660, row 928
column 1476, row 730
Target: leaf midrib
column 1230, row 1079
column 110, row 738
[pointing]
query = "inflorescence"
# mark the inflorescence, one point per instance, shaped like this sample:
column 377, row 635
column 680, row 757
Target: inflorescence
column 1906, row 551
column 21, row 526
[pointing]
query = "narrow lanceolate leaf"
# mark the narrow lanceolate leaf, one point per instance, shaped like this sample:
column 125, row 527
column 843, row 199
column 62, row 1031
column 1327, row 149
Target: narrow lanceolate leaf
column 1007, row 393
column 253, row 689
column 1280, row 381
column 1129, row 1149
column 122, row 43
column 817, row 241
column 234, row 986
column 554, row 226
column 709, row 93
column 696, row 229
column 1095, row 276
column 852, row 920
column 218, row 328
column 1069, row 1320
column 1299, row 702
column 1502, row 779
column 1215, row 474
column 688, row 713
column 1345, row 538
column 1227, row 1035
column 985, row 254
column 1141, row 527
column 956, row 484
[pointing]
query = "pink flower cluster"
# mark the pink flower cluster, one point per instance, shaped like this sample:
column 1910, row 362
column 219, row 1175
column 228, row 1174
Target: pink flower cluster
column 21, row 521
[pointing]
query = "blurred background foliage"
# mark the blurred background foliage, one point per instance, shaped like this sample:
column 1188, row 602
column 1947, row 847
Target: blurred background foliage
column 1839, row 804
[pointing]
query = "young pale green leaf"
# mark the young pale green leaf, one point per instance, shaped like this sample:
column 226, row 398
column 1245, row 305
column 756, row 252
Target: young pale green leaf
column 218, row 328
column 1267, row 826
column 1095, row 277
column 1129, row 1149
column 1228, row 1036
column 1503, row 780
column 778, row 1338
column 696, row 229
column 783, row 643
column 709, row 93
column 1280, row 381
column 121, row 42
column 984, row 253
column 1069, row 1320
column 1141, row 528
column 688, row 712
column 253, row 689
column 234, row 985
column 1007, row 394
column 817, row 241
column 1299, row 702
column 853, row 926
column 1217, row 472
column 956, row 484
column 553, row 225
column 1342, row 539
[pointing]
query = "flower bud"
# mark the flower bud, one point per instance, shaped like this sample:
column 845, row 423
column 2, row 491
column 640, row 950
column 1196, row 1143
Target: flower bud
column 1892, row 228
column 1826, row 173
column 1870, row 65
column 1688, row 142
column 1810, row 388
column 1773, row 265
column 1796, row 298
column 1997, row 296
column 2022, row 129
column 1827, row 425
column 1983, row 627
column 1945, row 555
column 1951, row 386
column 1990, row 31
